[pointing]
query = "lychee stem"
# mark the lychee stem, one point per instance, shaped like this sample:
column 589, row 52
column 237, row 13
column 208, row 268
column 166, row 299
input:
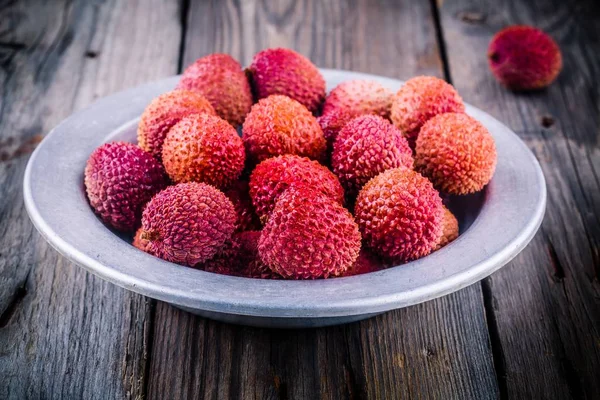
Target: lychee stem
column 149, row 235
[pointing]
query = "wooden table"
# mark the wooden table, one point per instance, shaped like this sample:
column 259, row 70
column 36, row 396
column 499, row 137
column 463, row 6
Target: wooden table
column 530, row 330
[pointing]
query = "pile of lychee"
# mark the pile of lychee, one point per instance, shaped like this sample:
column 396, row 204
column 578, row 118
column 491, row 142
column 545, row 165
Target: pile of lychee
column 316, row 185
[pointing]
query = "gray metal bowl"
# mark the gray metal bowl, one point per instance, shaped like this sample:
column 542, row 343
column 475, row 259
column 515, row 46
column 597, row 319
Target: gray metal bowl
column 495, row 226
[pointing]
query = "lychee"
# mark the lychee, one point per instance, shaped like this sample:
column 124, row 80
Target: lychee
column 449, row 229
column 164, row 112
column 283, row 71
column 365, row 263
column 274, row 175
column 524, row 58
column 138, row 241
column 457, row 153
column 400, row 215
column 239, row 194
column 309, row 236
column 280, row 125
column 120, row 178
column 188, row 223
column 252, row 265
column 365, row 147
column 226, row 260
column 359, row 97
column 220, row 79
column 332, row 123
column 203, row 148
column 420, row 99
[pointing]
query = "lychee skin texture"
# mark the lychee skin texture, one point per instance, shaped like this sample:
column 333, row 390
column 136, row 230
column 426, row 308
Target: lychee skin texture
column 285, row 72
column 239, row 194
column 449, row 230
column 274, row 176
column 457, row 153
column 204, row 148
column 359, row 97
column 188, row 223
column 332, row 123
column 164, row 112
column 252, row 265
column 280, row 125
column 400, row 215
column 220, row 79
column 524, row 58
column 420, row 99
column 365, row 147
column 225, row 261
column 365, row 263
column 120, row 178
column 309, row 236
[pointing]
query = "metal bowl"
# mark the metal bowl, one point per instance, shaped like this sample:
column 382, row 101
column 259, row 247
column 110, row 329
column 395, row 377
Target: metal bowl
column 496, row 225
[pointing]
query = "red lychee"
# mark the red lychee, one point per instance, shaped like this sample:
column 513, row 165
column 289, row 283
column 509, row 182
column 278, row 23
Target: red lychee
column 283, row 71
column 332, row 123
column 449, row 229
column 309, row 236
column 203, row 148
column 220, row 79
column 280, row 125
column 252, row 265
column 164, row 112
column 400, row 215
column 365, row 147
column 188, row 223
column 365, row 263
column 239, row 194
column 120, row 178
column 457, row 153
column 226, row 260
column 420, row 99
column 359, row 97
column 273, row 176
column 524, row 58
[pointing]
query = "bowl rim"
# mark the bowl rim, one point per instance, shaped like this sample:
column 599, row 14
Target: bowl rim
column 514, row 207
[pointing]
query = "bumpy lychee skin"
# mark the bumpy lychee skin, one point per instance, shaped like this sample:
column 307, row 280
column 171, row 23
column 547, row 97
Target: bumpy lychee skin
column 272, row 177
column 309, row 236
column 220, row 79
column 332, row 123
column 188, row 223
column 359, row 97
column 420, row 99
column 457, row 153
column 280, row 125
column 449, row 230
column 252, row 265
column 203, row 148
column 226, row 260
column 524, row 58
column 365, row 147
column 365, row 263
column 400, row 215
column 120, row 178
column 283, row 71
column 164, row 112
column 239, row 194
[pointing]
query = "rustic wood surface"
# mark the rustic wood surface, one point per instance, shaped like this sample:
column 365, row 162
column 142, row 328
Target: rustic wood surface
column 529, row 331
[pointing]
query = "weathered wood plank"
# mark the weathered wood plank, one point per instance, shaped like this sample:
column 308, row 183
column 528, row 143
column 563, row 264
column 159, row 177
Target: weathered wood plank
column 546, row 304
column 63, row 332
column 437, row 350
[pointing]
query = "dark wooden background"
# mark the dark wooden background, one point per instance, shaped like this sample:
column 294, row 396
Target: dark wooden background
column 530, row 330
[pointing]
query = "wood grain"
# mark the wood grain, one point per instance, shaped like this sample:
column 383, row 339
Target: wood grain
column 63, row 332
column 439, row 349
column 546, row 304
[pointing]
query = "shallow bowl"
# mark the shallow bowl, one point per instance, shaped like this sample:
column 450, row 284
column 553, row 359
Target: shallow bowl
column 496, row 224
